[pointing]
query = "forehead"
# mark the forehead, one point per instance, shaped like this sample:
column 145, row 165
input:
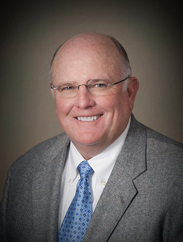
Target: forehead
column 87, row 53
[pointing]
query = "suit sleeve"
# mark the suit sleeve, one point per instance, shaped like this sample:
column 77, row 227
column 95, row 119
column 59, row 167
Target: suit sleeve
column 3, row 210
column 173, row 226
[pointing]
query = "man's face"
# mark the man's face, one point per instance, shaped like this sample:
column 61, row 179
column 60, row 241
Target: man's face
column 89, row 120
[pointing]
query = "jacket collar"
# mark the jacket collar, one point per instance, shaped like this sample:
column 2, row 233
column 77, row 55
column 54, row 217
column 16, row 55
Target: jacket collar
column 120, row 189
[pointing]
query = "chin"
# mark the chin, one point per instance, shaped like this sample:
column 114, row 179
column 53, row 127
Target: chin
column 87, row 141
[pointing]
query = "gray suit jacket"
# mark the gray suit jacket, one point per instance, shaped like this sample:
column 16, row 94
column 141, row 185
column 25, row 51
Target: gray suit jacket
column 142, row 201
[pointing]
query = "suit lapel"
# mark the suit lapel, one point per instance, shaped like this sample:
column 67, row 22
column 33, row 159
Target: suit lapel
column 46, row 193
column 114, row 201
column 120, row 189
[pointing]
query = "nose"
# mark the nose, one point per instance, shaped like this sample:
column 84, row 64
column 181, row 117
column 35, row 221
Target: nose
column 86, row 85
column 84, row 98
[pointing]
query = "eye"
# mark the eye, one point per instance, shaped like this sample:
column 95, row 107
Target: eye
column 66, row 88
column 99, row 84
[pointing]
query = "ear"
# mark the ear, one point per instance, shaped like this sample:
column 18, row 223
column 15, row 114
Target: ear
column 52, row 93
column 132, row 90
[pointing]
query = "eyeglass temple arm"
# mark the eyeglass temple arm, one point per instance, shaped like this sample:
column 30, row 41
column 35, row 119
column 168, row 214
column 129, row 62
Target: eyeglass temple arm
column 120, row 81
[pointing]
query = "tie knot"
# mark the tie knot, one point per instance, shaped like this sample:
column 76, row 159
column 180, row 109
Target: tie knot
column 85, row 169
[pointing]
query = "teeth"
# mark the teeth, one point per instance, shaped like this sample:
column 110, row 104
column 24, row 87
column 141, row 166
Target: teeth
column 88, row 119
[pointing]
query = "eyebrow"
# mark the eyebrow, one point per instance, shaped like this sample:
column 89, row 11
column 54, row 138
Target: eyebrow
column 95, row 79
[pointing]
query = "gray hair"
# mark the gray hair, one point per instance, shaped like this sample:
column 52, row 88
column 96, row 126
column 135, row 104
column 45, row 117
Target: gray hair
column 127, row 71
column 124, row 56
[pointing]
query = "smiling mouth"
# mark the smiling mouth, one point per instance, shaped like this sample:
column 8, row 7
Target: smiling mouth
column 88, row 119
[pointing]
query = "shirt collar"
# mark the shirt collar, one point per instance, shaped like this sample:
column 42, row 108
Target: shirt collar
column 103, row 163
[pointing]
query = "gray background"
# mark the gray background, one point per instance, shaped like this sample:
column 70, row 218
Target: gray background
column 151, row 32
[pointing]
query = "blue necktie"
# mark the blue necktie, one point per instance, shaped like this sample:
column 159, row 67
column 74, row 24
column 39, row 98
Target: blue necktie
column 79, row 214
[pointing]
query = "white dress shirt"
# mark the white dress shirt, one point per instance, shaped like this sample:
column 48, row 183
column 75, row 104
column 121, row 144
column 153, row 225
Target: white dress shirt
column 102, row 165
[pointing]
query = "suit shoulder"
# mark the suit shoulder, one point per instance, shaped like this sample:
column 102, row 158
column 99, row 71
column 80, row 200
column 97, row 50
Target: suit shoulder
column 153, row 138
column 42, row 153
column 158, row 146
column 156, row 138
column 52, row 143
column 165, row 154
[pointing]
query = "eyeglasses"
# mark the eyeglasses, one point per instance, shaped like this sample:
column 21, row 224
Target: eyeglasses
column 96, row 87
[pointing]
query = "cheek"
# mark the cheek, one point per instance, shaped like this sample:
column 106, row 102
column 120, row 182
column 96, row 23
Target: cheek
column 114, row 103
column 121, row 108
column 62, row 108
column 58, row 108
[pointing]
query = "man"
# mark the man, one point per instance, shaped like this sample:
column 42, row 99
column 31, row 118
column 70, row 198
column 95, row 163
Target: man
column 136, row 180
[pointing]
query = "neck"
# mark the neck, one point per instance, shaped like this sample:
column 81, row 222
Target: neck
column 89, row 151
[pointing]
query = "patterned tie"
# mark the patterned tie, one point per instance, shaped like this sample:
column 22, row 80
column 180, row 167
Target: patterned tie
column 79, row 214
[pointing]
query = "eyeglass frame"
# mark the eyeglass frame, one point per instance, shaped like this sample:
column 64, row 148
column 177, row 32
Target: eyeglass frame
column 53, row 87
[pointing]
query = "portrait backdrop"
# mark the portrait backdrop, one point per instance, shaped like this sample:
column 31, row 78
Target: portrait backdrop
column 150, row 31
